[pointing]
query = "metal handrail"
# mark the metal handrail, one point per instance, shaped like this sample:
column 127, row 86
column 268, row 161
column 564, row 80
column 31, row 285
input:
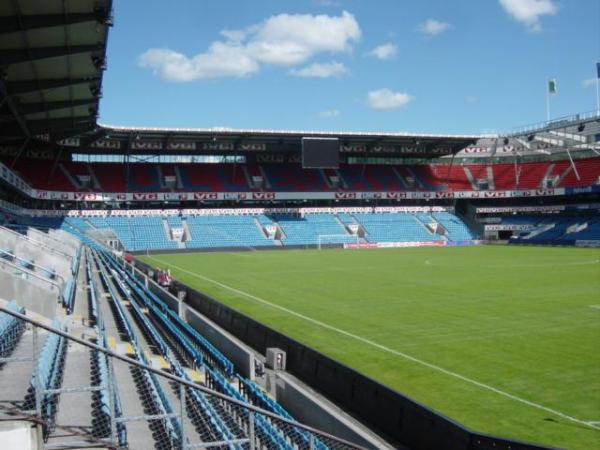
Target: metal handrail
column 179, row 380
column 560, row 122
column 46, row 269
column 34, row 241
column 33, row 274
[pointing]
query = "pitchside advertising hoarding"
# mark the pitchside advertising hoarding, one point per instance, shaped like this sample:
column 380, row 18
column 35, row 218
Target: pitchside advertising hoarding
column 411, row 244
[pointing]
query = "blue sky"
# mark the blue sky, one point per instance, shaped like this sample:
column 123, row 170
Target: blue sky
column 440, row 66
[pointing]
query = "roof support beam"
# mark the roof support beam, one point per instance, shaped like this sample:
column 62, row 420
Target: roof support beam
column 25, row 87
column 34, row 108
column 52, row 125
column 9, row 24
column 18, row 55
column 11, row 106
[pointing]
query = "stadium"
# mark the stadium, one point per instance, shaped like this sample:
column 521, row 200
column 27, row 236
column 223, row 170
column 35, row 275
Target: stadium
column 244, row 288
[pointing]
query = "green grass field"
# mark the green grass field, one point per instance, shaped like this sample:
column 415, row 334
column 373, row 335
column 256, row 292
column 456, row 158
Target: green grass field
column 505, row 340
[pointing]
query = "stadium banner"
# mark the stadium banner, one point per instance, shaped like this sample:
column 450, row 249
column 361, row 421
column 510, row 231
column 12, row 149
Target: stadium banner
column 508, row 227
column 181, row 145
column 146, row 145
column 70, row 142
column 9, row 177
column 107, row 144
column 222, row 212
column 511, row 209
column 465, row 243
column 587, row 243
column 253, row 147
column 205, row 196
column 411, row 244
column 582, row 190
column 360, row 245
column 395, row 244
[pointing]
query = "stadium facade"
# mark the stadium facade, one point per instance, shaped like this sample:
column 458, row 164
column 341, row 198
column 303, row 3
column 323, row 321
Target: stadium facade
column 76, row 195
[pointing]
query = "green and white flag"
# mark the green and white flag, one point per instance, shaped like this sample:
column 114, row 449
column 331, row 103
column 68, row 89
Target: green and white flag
column 552, row 86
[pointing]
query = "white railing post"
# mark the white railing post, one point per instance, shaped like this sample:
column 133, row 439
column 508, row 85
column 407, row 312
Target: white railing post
column 251, row 430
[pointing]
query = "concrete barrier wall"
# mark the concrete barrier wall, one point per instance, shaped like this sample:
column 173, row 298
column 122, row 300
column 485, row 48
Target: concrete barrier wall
column 53, row 240
column 41, row 255
column 42, row 300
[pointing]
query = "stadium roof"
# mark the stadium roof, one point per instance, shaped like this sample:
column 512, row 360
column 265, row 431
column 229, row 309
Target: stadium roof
column 52, row 55
column 276, row 140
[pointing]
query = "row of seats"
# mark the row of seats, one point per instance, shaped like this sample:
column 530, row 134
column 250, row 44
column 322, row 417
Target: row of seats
column 200, row 404
column 48, row 376
column 401, row 227
column 11, row 329
column 218, row 368
column 308, row 230
column 145, row 177
column 260, row 398
column 104, row 404
column 229, row 231
column 157, row 401
column 180, row 329
column 224, row 231
column 558, row 229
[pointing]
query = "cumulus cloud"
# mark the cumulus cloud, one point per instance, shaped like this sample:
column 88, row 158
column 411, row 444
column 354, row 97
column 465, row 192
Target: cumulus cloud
column 528, row 12
column 282, row 40
column 221, row 60
column 321, row 70
column 385, row 51
column 327, row 2
column 433, row 27
column 386, row 99
column 330, row 113
column 589, row 82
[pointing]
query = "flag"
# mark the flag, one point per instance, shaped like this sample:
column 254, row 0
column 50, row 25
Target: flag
column 552, row 86
column 598, row 69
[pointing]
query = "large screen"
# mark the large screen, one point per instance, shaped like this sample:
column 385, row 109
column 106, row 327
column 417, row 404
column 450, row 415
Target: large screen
column 320, row 153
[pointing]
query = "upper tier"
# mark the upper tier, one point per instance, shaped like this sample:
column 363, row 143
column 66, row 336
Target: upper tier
column 289, row 177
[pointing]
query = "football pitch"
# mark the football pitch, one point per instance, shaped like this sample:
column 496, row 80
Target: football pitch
column 505, row 340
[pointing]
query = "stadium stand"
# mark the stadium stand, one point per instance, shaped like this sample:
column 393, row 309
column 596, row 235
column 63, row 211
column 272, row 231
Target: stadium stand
column 557, row 229
column 96, row 356
column 224, row 231
column 284, row 177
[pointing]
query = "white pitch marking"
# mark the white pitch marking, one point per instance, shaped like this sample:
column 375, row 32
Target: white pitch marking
column 557, row 264
column 387, row 349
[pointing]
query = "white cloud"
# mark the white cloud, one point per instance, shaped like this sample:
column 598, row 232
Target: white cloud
column 321, row 70
column 433, row 27
column 327, row 2
column 528, row 12
column 220, row 60
column 330, row 113
column 386, row 99
column 285, row 40
column 385, row 51
column 588, row 83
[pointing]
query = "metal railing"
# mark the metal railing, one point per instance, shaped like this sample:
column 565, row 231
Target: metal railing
column 558, row 123
column 84, row 394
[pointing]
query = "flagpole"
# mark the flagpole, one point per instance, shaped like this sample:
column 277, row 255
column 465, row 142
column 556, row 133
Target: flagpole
column 597, row 96
column 548, row 101
column 598, row 88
